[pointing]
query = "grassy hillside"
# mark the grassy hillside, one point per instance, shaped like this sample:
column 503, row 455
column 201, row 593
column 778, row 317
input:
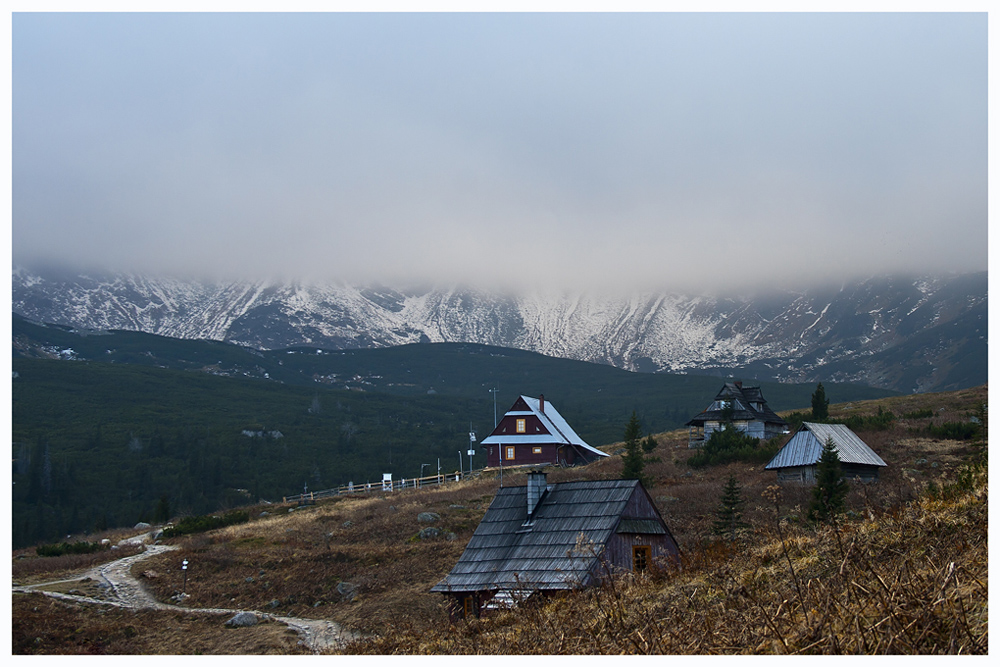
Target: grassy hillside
column 905, row 571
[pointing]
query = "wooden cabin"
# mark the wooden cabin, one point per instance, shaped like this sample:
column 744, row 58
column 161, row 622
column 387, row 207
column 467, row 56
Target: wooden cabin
column 544, row 538
column 533, row 433
column 796, row 461
column 743, row 407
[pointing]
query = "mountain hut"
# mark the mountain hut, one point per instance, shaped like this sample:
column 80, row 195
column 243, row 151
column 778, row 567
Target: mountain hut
column 544, row 538
column 796, row 461
column 533, row 433
column 743, row 407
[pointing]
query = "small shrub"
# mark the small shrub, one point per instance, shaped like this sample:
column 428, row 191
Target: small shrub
column 879, row 421
column 51, row 550
column 954, row 430
column 199, row 524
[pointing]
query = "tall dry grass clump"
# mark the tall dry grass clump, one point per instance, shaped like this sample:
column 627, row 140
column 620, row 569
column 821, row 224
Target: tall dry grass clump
column 911, row 580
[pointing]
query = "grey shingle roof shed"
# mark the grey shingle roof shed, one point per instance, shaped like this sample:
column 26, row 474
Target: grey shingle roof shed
column 577, row 531
column 797, row 460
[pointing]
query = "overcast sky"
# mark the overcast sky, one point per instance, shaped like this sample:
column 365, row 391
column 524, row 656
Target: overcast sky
column 664, row 151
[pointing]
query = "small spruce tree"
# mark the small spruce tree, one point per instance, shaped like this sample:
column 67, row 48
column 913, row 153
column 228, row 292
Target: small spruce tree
column 649, row 444
column 820, row 404
column 727, row 517
column 633, row 461
column 831, row 488
column 162, row 513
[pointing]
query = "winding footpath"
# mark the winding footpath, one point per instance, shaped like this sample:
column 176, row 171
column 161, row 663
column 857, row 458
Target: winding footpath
column 126, row 591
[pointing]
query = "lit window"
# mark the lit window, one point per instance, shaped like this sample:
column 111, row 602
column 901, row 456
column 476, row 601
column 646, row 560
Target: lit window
column 642, row 555
column 510, row 453
column 520, row 426
column 536, row 450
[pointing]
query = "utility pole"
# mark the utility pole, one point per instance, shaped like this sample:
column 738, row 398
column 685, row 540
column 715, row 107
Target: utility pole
column 472, row 445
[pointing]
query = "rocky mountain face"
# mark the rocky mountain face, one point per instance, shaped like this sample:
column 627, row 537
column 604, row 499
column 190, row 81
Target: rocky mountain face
column 907, row 334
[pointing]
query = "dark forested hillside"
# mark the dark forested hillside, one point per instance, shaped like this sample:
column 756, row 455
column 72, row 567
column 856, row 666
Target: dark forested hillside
column 109, row 429
column 101, row 444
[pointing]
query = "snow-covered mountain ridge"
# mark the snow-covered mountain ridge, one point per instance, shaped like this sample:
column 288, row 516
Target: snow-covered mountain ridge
column 921, row 334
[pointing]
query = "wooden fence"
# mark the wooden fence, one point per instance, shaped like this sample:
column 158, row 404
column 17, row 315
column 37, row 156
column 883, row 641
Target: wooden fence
column 369, row 487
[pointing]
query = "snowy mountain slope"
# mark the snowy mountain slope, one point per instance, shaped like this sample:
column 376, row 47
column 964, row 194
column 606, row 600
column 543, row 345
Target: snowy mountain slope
column 933, row 328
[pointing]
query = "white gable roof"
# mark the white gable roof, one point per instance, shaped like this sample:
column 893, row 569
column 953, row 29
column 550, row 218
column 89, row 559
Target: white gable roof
column 560, row 430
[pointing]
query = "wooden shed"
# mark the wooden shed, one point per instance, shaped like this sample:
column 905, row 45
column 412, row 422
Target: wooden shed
column 796, row 461
column 744, row 407
column 544, row 538
column 533, row 433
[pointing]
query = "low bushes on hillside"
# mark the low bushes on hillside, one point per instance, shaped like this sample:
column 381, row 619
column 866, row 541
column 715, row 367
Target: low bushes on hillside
column 731, row 444
column 954, row 430
column 879, row 421
column 50, row 550
column 199, row 524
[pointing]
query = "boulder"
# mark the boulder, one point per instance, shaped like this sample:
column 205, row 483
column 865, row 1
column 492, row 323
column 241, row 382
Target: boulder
column 429, row 533
column 347, row 591
column 244, row 619
column 428, row 517
column 142, row 525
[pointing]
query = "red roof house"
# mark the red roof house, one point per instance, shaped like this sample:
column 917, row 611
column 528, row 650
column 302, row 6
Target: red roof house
column 533, row 433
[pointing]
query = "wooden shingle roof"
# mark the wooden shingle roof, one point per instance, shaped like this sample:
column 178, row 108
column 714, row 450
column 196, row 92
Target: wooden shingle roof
column 550, row 553
column 747, row 403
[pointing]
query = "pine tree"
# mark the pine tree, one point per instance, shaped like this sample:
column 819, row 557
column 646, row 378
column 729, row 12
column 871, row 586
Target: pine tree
column 649, row 444
column 727, row 517
column 820, row 404
column 633, row 461
column 831, row 488
column 162, row 512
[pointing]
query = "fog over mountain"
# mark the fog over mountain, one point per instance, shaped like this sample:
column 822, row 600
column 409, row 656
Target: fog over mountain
column 908, row 334
column 642, row 152
column 689, row 192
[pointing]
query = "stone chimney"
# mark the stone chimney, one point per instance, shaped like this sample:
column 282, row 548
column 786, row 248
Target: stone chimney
column 536, row 487
column 541, row 403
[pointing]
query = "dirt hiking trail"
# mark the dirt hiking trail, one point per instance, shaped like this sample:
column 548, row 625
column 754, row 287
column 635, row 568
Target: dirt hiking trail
column 124, row 590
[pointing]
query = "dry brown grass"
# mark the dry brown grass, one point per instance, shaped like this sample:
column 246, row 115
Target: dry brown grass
column 28, row 568
column 912, row 581
column 43, row 625
column 295, row 561
column 726, row 600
